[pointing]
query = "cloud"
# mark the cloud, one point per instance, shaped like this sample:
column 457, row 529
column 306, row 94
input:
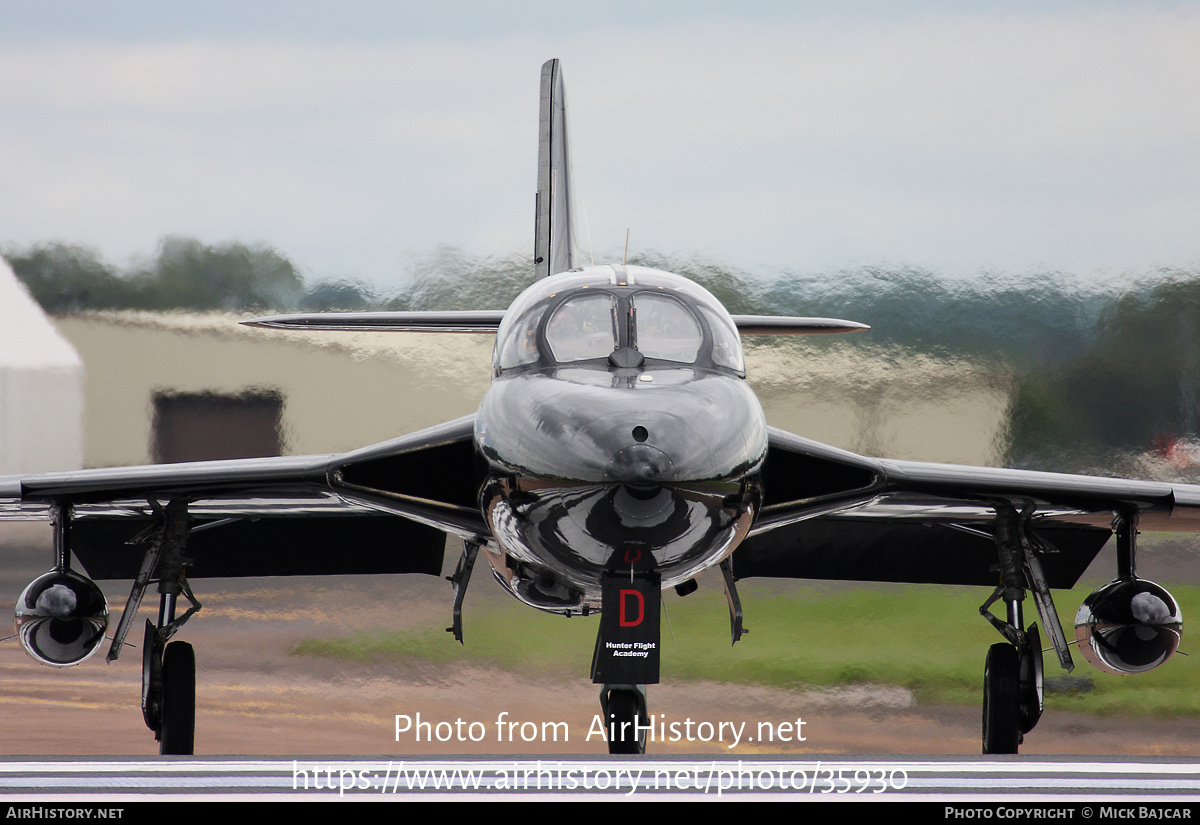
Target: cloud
column 970, row 141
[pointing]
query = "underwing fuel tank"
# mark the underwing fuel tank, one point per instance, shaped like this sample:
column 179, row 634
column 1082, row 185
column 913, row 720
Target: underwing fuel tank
column 1128, row 626
column 61, row 618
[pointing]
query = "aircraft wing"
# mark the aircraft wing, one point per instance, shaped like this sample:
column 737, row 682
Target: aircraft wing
column 383, row 509
column 831, row 514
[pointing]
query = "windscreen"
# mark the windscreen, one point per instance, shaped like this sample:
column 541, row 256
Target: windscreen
column 666, row 329
column 582, row 328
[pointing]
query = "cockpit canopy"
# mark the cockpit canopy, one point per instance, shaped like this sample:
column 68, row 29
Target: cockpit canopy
column 620, row 316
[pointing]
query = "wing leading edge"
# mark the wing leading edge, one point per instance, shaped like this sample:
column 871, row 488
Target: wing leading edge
column 384, row 509
column 836, row 515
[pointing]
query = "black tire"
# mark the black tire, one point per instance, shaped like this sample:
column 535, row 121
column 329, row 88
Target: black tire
column 1002, row 699
column 178, row 700
column 623, row 716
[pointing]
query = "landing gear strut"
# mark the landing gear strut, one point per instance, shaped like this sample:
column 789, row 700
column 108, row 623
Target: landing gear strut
column 1013, row 687
column 168, row 668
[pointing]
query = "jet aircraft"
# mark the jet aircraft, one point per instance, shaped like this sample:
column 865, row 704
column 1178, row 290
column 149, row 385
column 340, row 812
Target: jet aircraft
column 617, row 452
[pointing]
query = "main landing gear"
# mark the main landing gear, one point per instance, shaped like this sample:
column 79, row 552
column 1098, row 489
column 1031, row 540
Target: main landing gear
column 1013, row 693
column 168, row 668
column 169, row 692
column 1013, row 682
column 62, row 618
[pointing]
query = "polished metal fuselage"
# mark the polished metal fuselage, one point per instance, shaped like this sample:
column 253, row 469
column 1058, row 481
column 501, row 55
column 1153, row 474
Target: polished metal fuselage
column 598, row 468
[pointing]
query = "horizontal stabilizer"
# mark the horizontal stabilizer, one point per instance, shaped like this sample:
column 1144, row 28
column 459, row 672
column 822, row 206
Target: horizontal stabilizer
column 783, row 325
column 466, row 321
column 489, row 320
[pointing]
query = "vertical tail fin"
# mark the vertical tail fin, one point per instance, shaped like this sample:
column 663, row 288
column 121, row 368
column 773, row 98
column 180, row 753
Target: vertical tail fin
column 554, row 248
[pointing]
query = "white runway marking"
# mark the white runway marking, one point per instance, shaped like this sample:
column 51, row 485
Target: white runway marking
column 375, row 779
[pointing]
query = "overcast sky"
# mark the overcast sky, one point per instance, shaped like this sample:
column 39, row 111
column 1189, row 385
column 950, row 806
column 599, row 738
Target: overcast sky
column 354, row 137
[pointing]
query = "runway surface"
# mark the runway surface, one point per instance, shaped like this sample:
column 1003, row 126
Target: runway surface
column 257, row 697
column 374, row 779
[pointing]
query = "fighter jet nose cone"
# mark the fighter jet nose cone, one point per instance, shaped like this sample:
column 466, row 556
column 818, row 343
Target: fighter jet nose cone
column 640, row 464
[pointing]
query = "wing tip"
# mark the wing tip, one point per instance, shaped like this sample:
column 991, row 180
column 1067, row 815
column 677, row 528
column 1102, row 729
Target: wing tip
column 784, row 325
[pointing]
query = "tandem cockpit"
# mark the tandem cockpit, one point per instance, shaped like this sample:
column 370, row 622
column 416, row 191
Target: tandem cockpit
column 617, row 318
column 620, row 375
column 618, row 424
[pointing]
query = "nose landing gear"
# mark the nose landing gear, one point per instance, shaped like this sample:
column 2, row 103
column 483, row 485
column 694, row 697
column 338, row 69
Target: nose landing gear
column 625, row 717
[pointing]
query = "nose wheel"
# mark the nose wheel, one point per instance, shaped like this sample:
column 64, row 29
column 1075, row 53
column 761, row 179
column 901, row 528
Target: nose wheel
column 626, row 719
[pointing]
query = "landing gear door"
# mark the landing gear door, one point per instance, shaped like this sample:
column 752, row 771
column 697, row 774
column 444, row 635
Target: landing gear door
column 627, row 647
